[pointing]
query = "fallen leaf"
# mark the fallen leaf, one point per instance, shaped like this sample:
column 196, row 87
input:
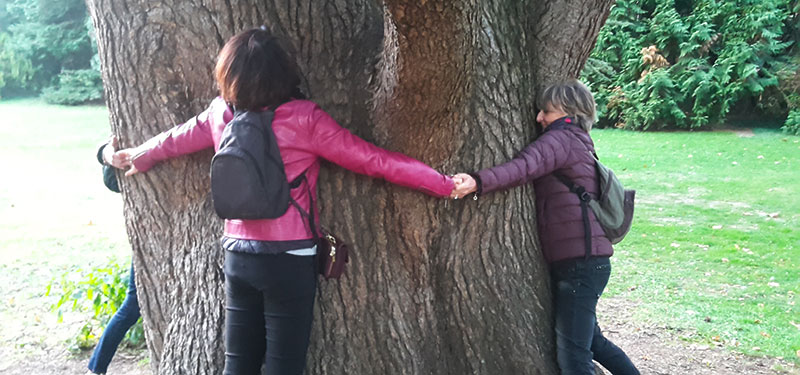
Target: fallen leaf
column 755, row 349
column 774, row 215
column 765, row 334
column 725, row 260
column 708, row 319
column 717, row 227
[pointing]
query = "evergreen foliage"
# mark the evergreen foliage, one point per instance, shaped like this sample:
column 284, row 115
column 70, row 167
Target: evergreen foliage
column 686, row 64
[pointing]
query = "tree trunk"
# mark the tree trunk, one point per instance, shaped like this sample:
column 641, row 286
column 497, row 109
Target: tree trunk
column 433, row 287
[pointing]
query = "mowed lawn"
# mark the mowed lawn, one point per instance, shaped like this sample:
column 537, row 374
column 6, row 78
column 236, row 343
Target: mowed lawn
column 714, row 251
column 55, row 215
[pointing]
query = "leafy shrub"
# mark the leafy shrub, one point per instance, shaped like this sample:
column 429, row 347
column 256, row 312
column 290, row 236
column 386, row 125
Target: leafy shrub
column 75, row 87
column 100, row 290
column 792, row 124
column 678, row 64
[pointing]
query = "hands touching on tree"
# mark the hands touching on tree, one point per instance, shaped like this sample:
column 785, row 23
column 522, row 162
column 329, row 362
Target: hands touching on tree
column 111, row 155
column 464, row 184
column 125, row 159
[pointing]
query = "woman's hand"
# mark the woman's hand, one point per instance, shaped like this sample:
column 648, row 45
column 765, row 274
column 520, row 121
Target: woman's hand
column 124, row 158
column 464, row 184
column 109, row 149
column 110, row 154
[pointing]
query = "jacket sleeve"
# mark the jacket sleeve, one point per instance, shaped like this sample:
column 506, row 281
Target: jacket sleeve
column 338, row 145
column 109, row 174
column 192, row 136
column 542, row 157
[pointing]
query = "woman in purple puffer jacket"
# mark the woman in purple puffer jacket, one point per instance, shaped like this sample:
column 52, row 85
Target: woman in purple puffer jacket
column 579, row 273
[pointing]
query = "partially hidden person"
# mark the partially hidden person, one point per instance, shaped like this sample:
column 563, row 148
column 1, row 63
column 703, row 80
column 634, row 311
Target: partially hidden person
column 579, row 274
column 127, row 315
column 270, row 277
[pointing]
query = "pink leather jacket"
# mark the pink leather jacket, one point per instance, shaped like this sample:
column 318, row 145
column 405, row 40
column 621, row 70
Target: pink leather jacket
column 304, row 133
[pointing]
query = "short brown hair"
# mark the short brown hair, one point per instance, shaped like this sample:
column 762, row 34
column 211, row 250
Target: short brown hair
column 572, row 97
column 254, row 71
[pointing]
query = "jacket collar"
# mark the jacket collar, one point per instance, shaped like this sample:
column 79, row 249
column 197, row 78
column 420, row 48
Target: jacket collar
column 561, row 123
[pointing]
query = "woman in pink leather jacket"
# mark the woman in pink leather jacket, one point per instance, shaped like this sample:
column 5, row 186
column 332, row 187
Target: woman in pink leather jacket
column 269, row 264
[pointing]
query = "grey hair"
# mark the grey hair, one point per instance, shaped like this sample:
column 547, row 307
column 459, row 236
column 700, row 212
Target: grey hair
column 572, row 97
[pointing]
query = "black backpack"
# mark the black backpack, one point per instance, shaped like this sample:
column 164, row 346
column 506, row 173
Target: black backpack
column 247, row 176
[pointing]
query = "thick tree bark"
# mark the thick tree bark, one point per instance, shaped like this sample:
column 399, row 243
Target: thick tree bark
column 433, row 287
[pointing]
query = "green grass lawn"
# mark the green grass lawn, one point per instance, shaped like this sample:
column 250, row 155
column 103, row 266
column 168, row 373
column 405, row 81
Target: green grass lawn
column 55, row 212
column 714, row 250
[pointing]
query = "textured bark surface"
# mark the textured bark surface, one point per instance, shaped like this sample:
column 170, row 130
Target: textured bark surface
column 433, row 287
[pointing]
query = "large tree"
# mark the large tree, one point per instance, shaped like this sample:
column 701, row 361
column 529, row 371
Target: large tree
column 433, row 287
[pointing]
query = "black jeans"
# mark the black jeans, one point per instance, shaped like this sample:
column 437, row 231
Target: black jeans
column 269, row 308
column 577, row 287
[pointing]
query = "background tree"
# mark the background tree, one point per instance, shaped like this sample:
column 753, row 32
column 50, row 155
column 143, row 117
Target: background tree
column 46, row 47
column 433, row 287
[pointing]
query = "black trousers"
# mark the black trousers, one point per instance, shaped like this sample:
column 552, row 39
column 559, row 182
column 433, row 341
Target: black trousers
column 578, row 285
column 269, row 307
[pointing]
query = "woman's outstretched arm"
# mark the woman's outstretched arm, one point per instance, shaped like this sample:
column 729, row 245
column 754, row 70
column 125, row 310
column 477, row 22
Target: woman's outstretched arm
column 192, row 136
column 339, row 146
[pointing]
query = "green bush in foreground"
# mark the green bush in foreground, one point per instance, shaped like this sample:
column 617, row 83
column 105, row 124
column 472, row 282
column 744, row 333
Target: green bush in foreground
column 100, row 290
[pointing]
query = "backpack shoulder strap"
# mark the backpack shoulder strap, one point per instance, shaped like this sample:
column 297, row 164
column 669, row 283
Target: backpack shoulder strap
column 584, row 197
column 309, row 215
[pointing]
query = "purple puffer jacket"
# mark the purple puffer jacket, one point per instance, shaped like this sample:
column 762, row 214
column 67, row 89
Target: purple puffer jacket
column 563, row 148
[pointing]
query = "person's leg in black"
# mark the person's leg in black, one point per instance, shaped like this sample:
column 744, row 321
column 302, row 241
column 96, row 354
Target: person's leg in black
column 244, row 319
column 575, row 302
column 611, row 356
column 605, row 352
column 288, row 312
